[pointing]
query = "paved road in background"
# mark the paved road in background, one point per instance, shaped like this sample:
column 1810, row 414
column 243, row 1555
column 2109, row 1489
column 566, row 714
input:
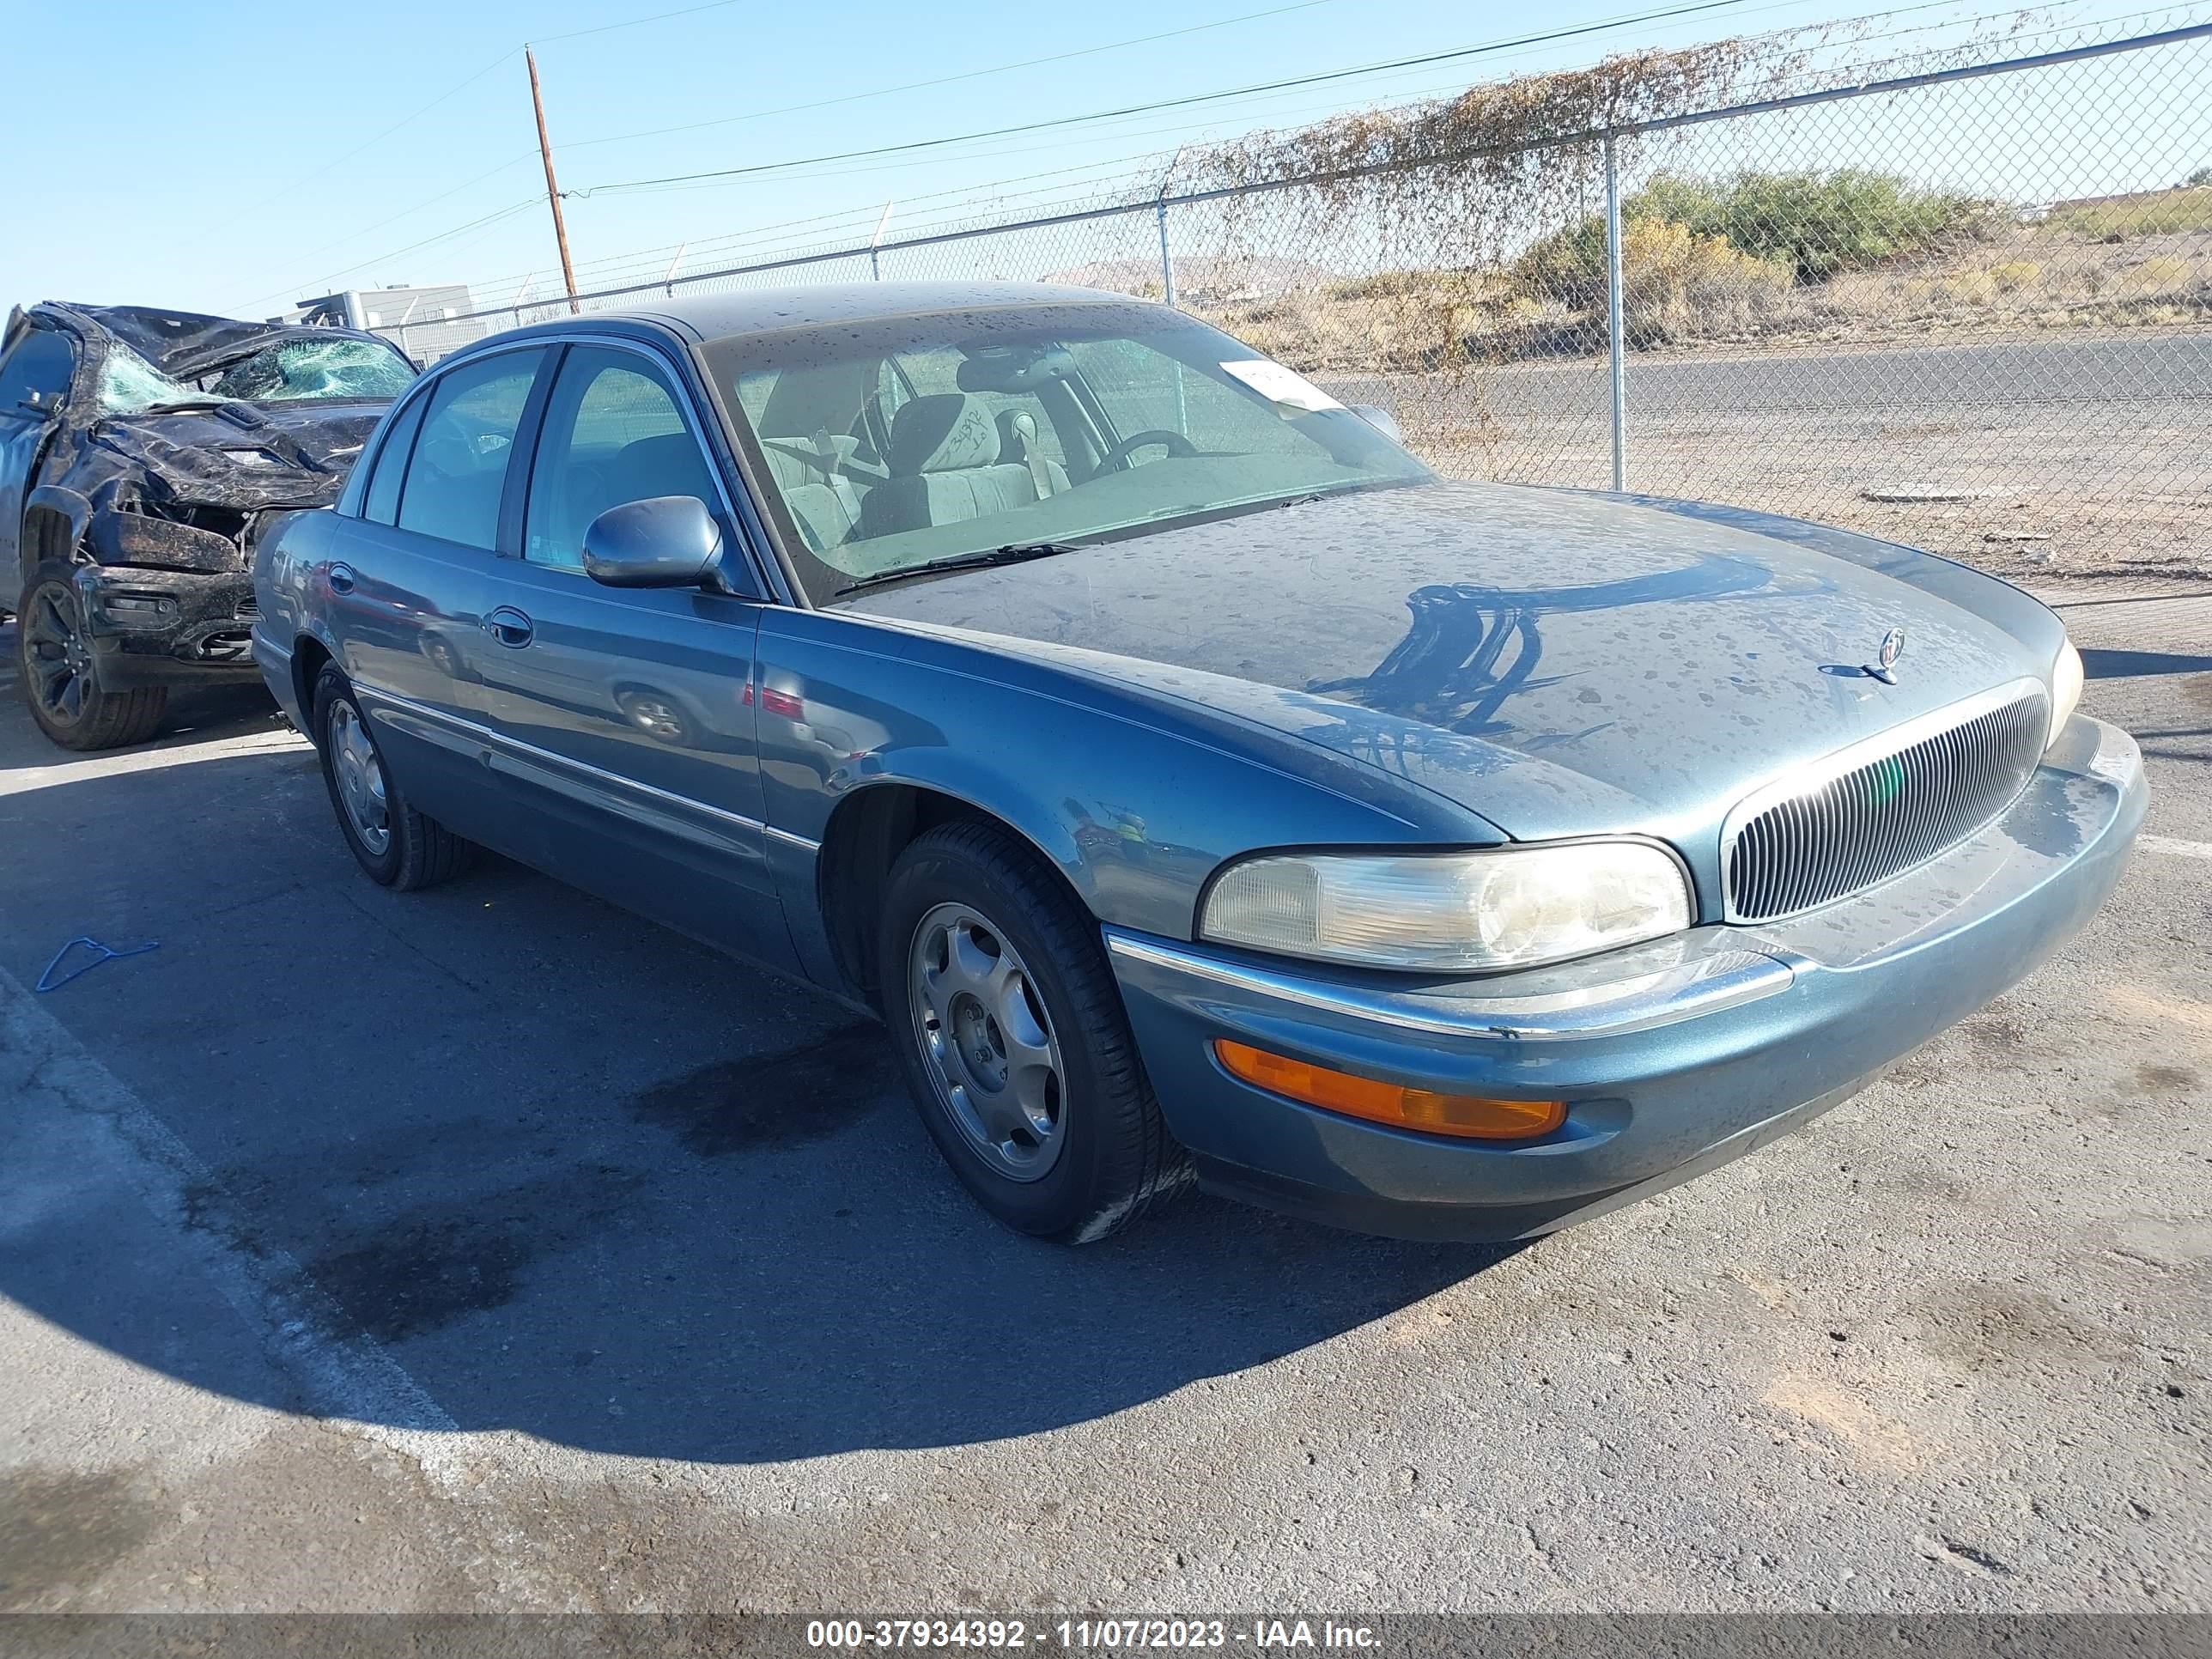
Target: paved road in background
column 488, row 1247
column 2044, row 456
column 2144, row 369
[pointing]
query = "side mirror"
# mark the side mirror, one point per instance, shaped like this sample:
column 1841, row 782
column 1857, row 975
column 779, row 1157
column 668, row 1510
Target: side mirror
column 1381, row 420
column 664, row 541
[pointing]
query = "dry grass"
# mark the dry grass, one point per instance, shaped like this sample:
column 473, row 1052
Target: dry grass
column 2149, row 213
column 2035, row 279
column 1683, row 288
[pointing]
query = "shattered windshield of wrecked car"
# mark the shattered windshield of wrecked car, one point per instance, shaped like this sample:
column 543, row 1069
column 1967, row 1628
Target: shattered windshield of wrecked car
column 289, row 371
column 298, row 371
column 129, row 385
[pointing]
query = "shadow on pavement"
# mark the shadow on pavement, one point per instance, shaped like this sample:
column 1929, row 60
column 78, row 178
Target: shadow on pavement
column 194, row 712
column 2106, row 664
column 579, row 1176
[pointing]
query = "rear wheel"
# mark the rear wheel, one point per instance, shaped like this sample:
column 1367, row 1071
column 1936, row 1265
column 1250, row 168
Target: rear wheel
column 396, row 845
column 61, row 672
column 1015, row 1043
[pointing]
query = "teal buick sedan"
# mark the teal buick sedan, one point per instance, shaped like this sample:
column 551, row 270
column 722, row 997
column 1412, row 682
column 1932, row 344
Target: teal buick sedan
column 1198, row 788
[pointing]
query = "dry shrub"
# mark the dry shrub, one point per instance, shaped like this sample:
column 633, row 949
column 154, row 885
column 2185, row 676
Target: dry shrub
column 1678, row 285
column 1968, row 287
column 2156, row 276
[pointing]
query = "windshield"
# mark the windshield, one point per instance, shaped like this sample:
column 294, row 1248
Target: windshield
column 291, row 370
column 298, row 371
column 129, row 385
column 905, row 442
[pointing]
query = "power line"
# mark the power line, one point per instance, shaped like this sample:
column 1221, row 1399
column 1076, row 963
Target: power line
column 631, row 22
column 444, row 235
column 371, row 144
column 1516, row 47
column 716, row 5
column 1100, row 116
column 1130, row 167
column 942, row 80
column 1166, row 103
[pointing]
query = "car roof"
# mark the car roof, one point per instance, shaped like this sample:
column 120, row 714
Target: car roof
column 767, row 310
column 184, row 343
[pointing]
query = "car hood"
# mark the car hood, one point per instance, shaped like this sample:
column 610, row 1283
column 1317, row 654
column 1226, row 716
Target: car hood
column 1559, row 663
column 247, row 455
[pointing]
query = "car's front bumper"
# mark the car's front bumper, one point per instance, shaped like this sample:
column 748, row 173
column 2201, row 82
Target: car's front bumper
column 1673, row 1057
column 168, row 627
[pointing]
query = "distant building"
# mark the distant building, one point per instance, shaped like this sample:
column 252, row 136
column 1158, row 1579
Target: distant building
column 426, row 322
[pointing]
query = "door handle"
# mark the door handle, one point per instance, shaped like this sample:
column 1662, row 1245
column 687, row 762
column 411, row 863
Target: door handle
column 342, row 578
column 509, row 627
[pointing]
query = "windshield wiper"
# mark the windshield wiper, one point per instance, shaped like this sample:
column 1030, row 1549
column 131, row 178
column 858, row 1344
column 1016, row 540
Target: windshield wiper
column 190, row 406
column 1011, row 553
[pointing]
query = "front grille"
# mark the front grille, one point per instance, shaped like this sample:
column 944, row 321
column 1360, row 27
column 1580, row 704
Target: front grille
column 1877, row 809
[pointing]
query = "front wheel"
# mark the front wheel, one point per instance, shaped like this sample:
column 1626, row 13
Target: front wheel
column 61, row 673
column 1014, row 1040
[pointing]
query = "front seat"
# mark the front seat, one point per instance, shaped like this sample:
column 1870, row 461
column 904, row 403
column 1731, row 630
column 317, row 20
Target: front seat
column 945, row 467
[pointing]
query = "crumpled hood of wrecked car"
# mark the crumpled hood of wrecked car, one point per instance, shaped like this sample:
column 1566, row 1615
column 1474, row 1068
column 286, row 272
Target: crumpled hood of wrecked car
column 248, row 456
column 1559, row 663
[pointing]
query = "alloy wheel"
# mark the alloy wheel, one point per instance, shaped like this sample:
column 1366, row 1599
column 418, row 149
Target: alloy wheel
column 988, row 1043
column 360, row 773
column 59, row 659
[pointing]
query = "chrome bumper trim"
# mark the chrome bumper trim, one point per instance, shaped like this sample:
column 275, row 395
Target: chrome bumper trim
column 515, row 749
column 1662, row 995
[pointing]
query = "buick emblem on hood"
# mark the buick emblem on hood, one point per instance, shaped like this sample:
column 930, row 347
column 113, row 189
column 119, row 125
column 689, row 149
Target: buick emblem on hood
column 1884, row 666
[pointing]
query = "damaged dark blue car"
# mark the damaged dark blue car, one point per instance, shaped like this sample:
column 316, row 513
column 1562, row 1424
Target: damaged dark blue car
column 1197, row 786
column 142, row 452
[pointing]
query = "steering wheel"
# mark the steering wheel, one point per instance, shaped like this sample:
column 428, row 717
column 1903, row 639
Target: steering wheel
column 1174, row 443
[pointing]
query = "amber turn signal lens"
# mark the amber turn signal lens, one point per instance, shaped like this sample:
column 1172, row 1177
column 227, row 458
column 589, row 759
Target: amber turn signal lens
column 1473, row 1115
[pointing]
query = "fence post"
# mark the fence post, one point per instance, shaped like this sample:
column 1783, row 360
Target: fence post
column 1167, row 264
column 875, row 242
column 1615, row 334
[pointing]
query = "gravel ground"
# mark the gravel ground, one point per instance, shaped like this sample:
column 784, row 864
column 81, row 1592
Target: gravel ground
column 489, row 1248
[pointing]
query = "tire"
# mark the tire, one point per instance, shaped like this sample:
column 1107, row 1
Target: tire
column 1098, row 1154
column 61, row 673
column 400, row 847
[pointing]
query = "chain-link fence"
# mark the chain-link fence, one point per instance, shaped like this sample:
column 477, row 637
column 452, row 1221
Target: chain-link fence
column 1959, row 298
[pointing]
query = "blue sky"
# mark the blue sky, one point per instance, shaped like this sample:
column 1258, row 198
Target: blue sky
column 199, row 157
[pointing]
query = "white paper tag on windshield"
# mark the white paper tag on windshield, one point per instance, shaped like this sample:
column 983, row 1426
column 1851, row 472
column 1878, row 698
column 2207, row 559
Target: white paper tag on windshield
column 1283, row 385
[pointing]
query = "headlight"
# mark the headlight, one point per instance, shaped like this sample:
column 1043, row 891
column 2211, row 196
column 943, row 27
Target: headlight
column 1504, row 907
column 2065, row 689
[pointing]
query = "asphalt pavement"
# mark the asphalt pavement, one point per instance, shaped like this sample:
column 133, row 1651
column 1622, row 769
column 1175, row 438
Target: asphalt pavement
column 2048, row 455
column 491, row 1248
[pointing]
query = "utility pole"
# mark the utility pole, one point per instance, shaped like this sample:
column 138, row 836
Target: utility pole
column 552, row 190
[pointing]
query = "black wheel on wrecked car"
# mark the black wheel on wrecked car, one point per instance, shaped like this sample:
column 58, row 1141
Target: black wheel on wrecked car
column 1014, row 1040
column 61, row 672
column 396, row 845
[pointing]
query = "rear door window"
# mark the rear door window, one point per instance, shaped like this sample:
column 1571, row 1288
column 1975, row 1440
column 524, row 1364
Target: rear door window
column 381, row 504
column 458, row 470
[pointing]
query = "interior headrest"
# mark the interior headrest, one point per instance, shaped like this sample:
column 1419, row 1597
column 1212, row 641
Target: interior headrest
column 1018, row 435
column 942, row 432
